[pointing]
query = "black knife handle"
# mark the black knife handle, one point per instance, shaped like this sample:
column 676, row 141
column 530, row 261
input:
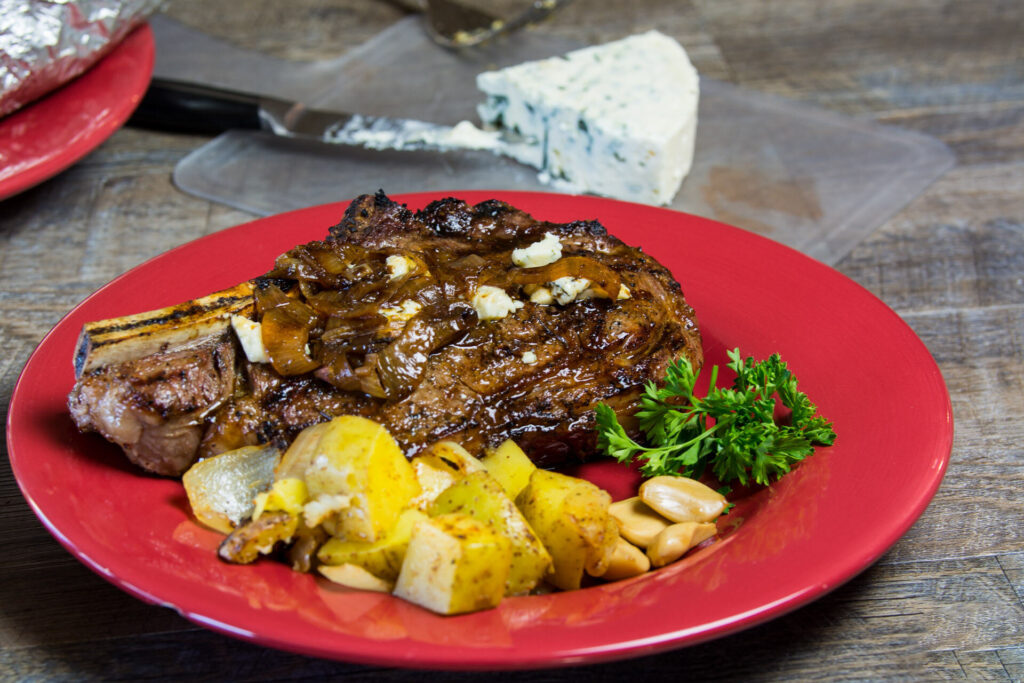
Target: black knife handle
column 182, row 107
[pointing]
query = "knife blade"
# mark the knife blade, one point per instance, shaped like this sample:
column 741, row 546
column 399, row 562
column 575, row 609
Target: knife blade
column 179, row 106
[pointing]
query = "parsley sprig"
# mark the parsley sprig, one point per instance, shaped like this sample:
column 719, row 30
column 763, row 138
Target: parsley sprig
column 734, row 431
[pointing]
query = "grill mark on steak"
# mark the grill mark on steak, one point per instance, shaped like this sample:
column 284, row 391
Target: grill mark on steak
column 475, row 389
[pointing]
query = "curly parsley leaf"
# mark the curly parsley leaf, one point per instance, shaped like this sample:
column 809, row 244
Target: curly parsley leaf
column 611, row 437
column 734, row 431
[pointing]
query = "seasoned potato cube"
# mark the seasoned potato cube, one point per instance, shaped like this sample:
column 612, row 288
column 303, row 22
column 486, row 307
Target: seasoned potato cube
column 454, row 564
column 359, row 458
column 221, row 489
column 439, row 467
column 381, row 558
column 510, row 466
column 482, row 498
column 570, row 516
column 598, row 561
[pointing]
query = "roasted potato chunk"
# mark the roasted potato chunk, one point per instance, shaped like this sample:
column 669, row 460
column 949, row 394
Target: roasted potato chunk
column 454, row 564
column 482, row 498
column 381, row 558
column 357, row 457
column 570, row 516
column 510, row 466
column 439, row 467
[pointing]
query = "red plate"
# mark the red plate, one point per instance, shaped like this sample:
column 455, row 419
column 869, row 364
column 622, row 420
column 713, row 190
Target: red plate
column 42, row 139
column 781, row 548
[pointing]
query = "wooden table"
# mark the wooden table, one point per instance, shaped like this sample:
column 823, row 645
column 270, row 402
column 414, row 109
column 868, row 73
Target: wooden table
column 944, row 602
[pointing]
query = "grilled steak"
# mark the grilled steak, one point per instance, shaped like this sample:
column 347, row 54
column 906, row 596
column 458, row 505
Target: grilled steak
column 383, row 319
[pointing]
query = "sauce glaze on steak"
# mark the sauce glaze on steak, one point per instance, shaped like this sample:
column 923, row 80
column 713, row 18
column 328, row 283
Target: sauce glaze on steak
column 459, row 378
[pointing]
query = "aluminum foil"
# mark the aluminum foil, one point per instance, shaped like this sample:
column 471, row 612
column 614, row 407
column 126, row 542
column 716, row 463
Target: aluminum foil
column 45, row 43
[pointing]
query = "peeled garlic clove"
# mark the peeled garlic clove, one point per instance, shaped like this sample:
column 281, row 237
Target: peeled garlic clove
column 638, row 523
column 626, row 562
column 682, row 500
column 674, row 541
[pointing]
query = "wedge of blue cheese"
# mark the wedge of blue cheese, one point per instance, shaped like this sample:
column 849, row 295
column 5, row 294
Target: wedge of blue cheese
column 617, row 119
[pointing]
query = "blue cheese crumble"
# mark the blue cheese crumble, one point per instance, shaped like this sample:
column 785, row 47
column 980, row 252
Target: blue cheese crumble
column 399, row 266
column 492, row 303
column 568, row 289
column 250, row 336
column 540, row 253
column 617, row 119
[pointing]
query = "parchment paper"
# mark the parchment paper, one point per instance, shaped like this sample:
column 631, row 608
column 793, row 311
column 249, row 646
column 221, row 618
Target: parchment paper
column 812, row 179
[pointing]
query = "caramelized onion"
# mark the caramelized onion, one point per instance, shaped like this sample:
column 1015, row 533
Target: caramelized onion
column 268, row 295
column 337, row 371
column 352, row 335
column 374, row 290
column 285, row 331
column 603, row 279
column 337, row 304
column 369, row 381
column 328, row 263
column 420, row 289
column 400, row 366
column 334, row 263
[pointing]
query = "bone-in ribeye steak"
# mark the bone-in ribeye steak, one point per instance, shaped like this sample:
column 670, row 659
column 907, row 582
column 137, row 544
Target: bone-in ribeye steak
column 356, row 336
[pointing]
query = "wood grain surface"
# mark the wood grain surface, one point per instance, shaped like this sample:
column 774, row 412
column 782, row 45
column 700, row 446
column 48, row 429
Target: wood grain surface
column 945, row 603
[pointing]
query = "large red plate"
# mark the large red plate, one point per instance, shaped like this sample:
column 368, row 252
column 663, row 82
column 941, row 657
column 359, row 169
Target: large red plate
column 45, row 137
column 785, row 546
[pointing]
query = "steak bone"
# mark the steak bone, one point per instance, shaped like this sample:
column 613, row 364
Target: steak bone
column 116, row 340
